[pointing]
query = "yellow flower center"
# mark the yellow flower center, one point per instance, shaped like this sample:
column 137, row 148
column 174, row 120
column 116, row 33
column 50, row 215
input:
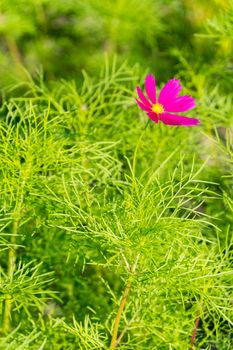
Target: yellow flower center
column 157, row 108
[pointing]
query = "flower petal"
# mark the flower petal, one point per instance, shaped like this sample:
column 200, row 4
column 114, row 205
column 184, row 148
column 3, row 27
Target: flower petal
column 143, row 98
column 169, row 92
column 150, row 88
column 180, row 104
column 153, row 116
column 173, row 119
column 142, row 106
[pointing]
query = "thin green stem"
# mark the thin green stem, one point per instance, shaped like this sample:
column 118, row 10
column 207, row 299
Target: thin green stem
column 11, row 43
column 7, row 303
column 137, row 146
column 125, row 329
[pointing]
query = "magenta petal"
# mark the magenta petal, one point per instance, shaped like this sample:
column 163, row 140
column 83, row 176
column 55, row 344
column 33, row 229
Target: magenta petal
column 142, row 106
column 170, row 91
column 143, row 98
column 150, row 88
column 180, row 104
column 173, row 119
column 153, row 116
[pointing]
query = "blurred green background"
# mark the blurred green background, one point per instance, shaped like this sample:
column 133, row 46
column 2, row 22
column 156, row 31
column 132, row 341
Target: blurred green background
column 65, row 37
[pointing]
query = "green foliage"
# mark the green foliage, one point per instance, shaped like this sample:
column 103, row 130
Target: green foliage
column 98, row 207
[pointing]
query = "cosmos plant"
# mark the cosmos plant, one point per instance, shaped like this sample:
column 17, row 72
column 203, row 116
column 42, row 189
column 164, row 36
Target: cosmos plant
column 168, row 103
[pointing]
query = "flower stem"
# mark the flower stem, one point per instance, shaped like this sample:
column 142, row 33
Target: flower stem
column 114, row 342
column 194, row 333
column 137, row 146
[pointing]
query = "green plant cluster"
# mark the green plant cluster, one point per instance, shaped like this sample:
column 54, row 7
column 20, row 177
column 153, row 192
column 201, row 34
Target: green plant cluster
column 114, row 234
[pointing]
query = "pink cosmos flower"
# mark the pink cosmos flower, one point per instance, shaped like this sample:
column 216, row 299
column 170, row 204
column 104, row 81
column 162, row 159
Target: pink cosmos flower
column 169, row 102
